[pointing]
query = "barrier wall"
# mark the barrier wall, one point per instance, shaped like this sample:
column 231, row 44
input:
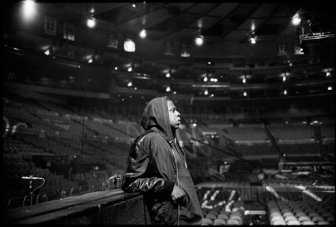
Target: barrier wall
column 104, row 207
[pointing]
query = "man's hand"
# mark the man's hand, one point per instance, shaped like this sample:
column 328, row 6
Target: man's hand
column 178, row 194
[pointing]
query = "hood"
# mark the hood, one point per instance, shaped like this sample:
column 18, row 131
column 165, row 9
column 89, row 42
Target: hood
column 156, row 115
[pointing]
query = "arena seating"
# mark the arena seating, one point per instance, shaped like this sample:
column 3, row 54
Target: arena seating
column 54, row 145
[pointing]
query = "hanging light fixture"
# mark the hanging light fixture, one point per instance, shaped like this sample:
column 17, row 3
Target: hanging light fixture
column 206, row 92
column 296, row 20
column 244, row 79
column 253, row 39
column 129, row 45
column 143, row 33
column 284, row 78
column 91, row 22
column 29, row 9
column 48, row 51
column 199, row 40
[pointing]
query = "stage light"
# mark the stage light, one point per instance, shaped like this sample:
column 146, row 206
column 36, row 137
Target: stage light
column 285, row 92
column 253, row 37
column 283, row 78
column 168, row 89
column 199, row 40
column 129, row 45
column 168, row 74
column 245, row 93
column 296, row 20
column 244, row 80
column 143, row 33
column 130, row 69
column 206, row 92
column 47, row 51
column 253, row 40
column 29, row 9
column 91, row 22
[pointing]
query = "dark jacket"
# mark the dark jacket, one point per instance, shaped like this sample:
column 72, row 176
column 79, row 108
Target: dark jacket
column 155, row 164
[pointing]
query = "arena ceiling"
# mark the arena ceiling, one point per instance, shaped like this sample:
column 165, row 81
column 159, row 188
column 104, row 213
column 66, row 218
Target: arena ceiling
column 226, row 54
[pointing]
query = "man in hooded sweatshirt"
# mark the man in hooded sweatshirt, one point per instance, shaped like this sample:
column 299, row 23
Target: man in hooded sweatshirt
column 157, row 167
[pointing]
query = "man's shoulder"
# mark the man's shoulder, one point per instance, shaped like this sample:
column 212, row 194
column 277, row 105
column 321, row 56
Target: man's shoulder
column 148, row 136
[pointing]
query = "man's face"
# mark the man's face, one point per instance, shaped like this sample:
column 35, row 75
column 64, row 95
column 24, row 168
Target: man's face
column 174, row 115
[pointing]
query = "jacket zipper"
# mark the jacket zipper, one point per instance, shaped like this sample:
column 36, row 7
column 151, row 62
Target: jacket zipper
column 178, row 206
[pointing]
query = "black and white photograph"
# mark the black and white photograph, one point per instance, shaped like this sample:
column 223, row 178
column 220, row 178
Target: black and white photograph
column 168, row 113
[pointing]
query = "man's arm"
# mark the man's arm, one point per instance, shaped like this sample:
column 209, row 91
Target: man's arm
column 137, row 177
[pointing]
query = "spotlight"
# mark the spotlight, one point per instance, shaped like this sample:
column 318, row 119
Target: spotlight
column 168, row 74
column 47, row 51
column 129, row 45
column 143, row 33
column 253, row 38
column 206, row 92
column 296, row 20
column 29, row 9
column 91, row 22
column 199, row 40
column 283, row 78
